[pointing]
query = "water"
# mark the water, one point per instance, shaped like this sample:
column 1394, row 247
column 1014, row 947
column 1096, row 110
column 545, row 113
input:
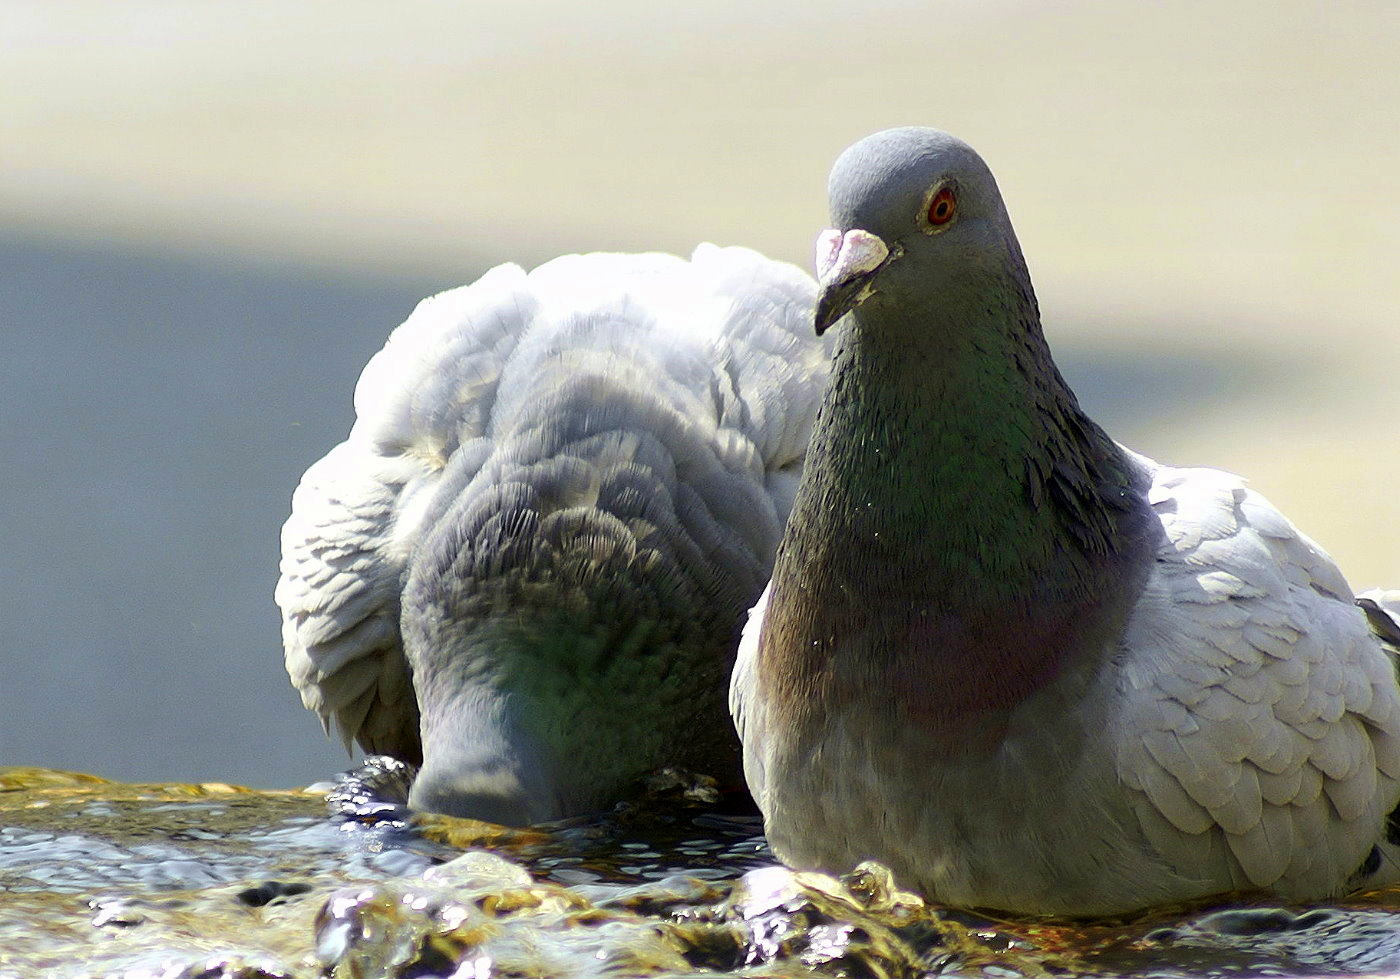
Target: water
column 185, row 881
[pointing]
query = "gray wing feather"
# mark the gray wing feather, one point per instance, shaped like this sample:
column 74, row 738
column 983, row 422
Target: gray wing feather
column 1260, row 711
column 466, row 397
column 357, row 512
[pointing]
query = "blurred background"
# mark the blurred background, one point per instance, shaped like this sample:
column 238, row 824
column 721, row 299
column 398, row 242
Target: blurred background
column 212, row 215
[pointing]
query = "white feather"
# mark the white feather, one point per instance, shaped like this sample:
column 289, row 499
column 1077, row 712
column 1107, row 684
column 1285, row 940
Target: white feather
column 725, row 376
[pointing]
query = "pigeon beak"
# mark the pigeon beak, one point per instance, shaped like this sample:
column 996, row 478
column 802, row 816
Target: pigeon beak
column 846, row 262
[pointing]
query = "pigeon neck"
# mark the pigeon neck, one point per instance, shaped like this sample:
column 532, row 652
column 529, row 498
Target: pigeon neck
column 962, row 521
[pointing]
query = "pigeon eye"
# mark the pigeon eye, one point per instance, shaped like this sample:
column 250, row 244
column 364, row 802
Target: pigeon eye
column 942, row 206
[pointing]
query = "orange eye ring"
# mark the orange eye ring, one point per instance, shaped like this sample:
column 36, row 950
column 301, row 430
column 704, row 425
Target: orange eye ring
column 942, row 207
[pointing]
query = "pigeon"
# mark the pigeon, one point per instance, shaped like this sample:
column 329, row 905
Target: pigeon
column 529, row 564
column 1023, row 666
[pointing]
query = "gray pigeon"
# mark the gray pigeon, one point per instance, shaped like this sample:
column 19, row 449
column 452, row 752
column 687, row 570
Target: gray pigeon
column 1020, row 664
column 529, row 563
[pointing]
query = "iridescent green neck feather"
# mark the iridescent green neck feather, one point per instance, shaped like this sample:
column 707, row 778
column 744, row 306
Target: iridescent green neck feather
column 960, row 522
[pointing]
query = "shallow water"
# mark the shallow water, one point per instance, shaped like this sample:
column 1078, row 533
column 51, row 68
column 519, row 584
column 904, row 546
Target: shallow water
column 183, row 881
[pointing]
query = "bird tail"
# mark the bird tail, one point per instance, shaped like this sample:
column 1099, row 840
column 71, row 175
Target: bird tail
column 1382, row 610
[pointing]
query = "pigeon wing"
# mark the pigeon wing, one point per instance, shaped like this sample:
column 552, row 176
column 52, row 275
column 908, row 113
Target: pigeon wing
column 1261, row 724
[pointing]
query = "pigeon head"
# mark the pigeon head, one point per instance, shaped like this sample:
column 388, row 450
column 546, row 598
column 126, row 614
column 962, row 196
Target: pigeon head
column 914, row 210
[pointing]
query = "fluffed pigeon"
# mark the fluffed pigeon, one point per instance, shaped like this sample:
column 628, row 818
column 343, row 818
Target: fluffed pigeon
column 529, row 563
column 1022, row 665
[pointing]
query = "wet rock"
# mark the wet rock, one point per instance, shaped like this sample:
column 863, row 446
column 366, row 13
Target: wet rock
column 490, row 915
column 180, row 881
